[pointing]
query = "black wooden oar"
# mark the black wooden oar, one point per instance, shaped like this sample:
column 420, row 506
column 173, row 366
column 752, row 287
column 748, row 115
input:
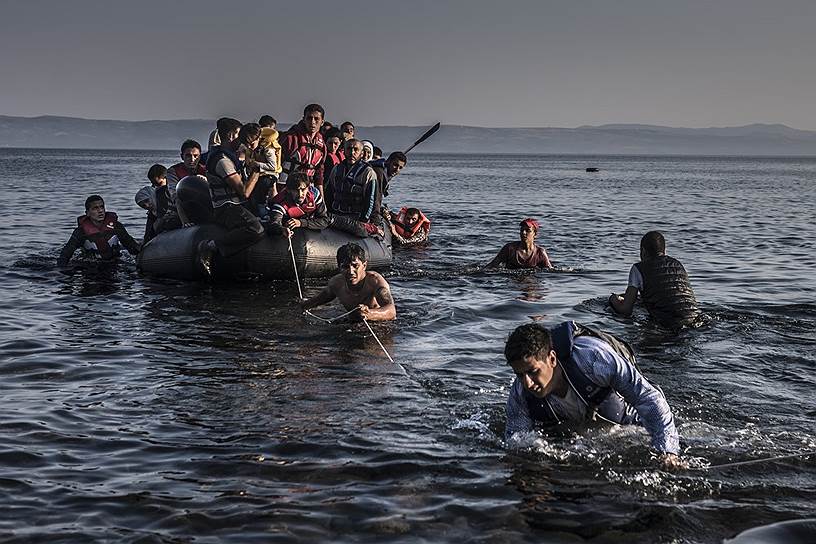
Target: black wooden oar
column 424, row 137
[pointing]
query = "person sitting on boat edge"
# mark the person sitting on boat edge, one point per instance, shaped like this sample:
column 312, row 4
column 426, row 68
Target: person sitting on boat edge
column 190, row 165
column 663, row 285
column 574, row 374
column 352, row 194
column 410, row 226
column 99, row 233
column 226, row 177
column 388, row 169
column 524, row 253
column 300, row 205
column 356, row 287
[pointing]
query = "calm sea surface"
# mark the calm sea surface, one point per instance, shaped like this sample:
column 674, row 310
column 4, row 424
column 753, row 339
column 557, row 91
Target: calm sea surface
column 146, row 410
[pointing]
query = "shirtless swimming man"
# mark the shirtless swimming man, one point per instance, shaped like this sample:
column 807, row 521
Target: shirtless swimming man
column 355, row 287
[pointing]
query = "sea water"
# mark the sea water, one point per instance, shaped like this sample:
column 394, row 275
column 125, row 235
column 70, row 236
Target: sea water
column 149, row 410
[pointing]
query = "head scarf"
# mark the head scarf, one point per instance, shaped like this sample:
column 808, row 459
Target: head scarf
column 530, row 222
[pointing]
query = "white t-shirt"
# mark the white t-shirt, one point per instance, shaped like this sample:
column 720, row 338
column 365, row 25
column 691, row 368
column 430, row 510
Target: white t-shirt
column 635, row 278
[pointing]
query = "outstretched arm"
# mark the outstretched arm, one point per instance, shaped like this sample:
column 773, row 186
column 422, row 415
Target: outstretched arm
column 323, row 297
column 624, row 304
column 76, row 239
column 127, row 240
column 499, row 259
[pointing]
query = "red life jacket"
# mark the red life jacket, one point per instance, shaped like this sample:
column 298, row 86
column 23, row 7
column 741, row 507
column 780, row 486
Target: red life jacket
column 182, row 171
column 100, row 239
column 399, row 224
column 283, row 202
column 303, row 154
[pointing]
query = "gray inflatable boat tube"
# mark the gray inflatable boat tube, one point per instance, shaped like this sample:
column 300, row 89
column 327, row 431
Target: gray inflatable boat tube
column 174, row 254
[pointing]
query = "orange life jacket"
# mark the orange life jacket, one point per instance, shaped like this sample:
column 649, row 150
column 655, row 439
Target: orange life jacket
column 399, row 224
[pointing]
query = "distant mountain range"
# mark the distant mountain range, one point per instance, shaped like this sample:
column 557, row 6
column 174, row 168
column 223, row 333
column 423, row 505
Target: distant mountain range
column 620, row 139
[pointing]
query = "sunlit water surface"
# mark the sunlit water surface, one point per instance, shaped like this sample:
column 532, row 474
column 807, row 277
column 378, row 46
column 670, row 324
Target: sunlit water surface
column 147, row 410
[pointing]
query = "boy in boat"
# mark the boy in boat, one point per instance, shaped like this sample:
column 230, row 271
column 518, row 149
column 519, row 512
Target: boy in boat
column 410, row 227
column 662, row 283
column 300, row 205
column 155, row 199
column 99, row 233
column 572, row 374
column 524, row 253
column 355, row 287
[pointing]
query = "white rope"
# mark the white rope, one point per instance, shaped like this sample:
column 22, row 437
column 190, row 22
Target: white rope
column 405, row 372
column 294, row 265
column 763, row 460
column 331, row 319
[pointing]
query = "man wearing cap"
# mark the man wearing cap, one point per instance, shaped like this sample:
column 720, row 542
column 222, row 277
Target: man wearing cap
column 524, row 253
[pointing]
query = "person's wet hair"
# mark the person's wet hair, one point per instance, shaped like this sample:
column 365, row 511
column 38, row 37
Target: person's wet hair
column 397, row 156
column 226, row 126
column 249, row 132
column 190, row 144
column 156, row 171
column 91, row 199
column 531, row 340
column 295, row 179
column 314, row 107
column 412, row 211
column 267, row 121
column 653, row 243
column 347, row 253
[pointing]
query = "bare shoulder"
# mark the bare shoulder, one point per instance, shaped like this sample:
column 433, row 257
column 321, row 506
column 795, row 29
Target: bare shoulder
column 378, row 280
column 335, row 283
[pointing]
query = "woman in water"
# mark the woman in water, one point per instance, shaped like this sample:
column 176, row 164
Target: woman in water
column 524, row 253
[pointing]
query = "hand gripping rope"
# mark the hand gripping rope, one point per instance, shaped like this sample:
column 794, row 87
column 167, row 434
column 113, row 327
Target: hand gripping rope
column 325, row 320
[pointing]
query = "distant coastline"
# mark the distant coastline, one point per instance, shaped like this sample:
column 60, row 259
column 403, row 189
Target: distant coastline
column 52, row 132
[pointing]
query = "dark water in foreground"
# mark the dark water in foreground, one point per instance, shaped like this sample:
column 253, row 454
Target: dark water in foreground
column 157, row 411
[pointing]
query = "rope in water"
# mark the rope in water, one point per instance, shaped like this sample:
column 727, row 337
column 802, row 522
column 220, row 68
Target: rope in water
column 300, row 293
column 755, row 461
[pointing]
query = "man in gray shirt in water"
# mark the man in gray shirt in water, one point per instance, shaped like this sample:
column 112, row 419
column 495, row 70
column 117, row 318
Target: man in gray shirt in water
column 573, row 374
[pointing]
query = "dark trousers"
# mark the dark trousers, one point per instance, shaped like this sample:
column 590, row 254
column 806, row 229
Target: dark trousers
column 348, row 224
column 243, row 229
column 257, row 199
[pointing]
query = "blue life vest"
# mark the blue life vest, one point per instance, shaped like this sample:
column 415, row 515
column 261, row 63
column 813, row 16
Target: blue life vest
column 600, row 400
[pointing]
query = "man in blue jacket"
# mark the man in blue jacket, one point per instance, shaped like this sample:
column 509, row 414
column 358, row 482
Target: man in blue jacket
column 574, row 374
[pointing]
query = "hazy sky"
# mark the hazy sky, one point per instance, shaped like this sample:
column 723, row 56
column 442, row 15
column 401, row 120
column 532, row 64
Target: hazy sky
column 497, row 63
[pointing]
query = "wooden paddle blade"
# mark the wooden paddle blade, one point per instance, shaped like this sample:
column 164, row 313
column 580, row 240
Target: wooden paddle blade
column 425, row 136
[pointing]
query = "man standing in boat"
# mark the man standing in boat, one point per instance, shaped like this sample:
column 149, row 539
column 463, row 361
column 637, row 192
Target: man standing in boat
column 226, row 177
column 352, row 194
column 356, row 287
column 303, row 148
column 573, row 375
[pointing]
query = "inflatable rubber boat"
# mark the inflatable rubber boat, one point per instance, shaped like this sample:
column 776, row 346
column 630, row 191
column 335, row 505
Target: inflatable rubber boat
column 174, row 253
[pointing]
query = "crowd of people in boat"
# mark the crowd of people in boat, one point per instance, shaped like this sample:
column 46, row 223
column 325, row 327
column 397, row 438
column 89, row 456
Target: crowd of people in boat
column 315, row 176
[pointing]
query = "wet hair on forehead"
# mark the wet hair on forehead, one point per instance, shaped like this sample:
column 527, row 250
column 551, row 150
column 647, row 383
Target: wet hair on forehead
column 91, row 199
column 347, row 253
column 653, row 243
column 412, row 211
column 531, row 340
